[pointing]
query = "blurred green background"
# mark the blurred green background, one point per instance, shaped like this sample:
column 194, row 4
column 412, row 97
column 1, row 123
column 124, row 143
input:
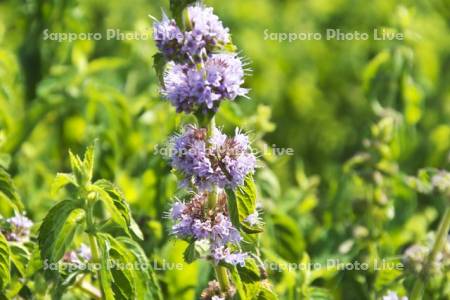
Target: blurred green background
column 320, row 98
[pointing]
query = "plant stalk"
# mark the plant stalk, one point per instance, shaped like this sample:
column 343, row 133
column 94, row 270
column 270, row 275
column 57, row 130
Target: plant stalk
column 93, row 240
column 221, row 272
column 222, row 277
column 441, row 238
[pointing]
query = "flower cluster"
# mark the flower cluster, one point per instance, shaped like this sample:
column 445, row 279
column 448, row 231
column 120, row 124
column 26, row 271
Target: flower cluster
column 204, row 33
column 195, row 221
column 190, row 88
column 17, row 228
column 197, row 78
column 215, row 160
column 78, row 256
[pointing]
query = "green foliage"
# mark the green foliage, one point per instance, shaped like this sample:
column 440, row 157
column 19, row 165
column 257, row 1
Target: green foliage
column 5, row 263
column 242, row 203
column 362, row 118
column 124, row 282
column 58, row 228
column 8, row 192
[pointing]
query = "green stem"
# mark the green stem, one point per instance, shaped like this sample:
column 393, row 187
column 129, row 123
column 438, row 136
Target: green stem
column 211, row 126
column 222, row 277
column 221, row 272
column 441, row 238
column 93, row 239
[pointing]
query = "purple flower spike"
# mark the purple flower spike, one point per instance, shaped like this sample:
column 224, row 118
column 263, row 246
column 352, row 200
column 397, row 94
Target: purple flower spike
column 202, row 87
column 195, row 222
column 217, row 160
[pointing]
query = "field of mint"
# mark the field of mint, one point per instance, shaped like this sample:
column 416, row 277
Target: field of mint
column 174, row 149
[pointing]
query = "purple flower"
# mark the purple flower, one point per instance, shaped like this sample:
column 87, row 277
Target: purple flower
column 202, row 87
column 233, row 258
column 198, row 222
column 252, row 219
column 84, row 252
column 71, row 257
column 19, row 228
column 223, row 231
column 77, row 256
column 217, row 160
column 184, row 227
column 236, row 258
column 200, row 229
column 168, row 37
column 177, row 209
column 205, row 33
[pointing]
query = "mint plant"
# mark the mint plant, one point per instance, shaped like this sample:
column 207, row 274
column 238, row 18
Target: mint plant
column 97, row 211
column 199, row 69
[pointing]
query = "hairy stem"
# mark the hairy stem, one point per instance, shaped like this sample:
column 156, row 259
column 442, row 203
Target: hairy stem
column 441, row 238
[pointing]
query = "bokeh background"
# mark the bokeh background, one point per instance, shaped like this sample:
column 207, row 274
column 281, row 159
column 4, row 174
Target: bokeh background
column 327, row 100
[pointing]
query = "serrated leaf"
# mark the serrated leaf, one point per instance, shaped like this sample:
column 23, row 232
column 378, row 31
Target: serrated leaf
column 242, row 203
column 118, row 208
column 5, row 263
column 127, row 282
column 58, row 228
column 149, row 277
column 61, row 180
column 245, row 286
column 105, row 275
column 250, row 272
column 8, row 191
column 20, row 256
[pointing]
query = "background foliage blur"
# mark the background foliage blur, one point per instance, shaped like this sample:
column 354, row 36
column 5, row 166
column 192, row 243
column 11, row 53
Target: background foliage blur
column 322, row 98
